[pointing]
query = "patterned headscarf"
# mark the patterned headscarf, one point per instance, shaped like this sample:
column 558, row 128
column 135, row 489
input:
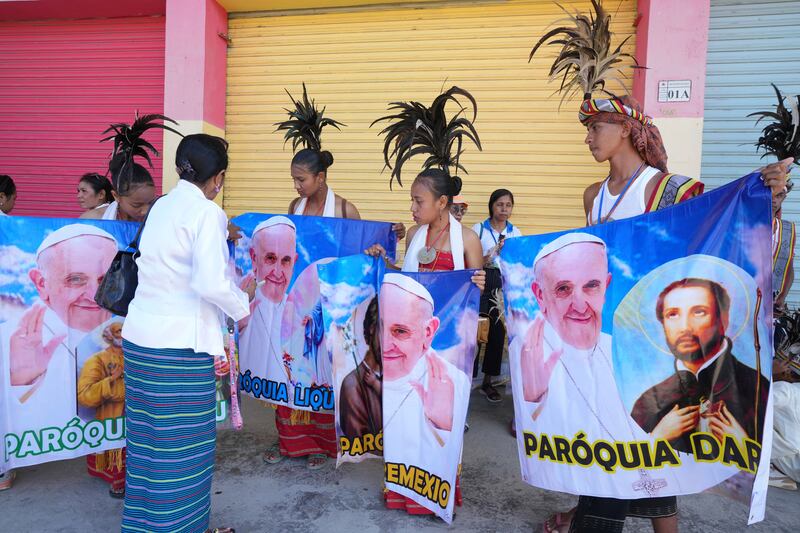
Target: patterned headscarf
column 645, row 136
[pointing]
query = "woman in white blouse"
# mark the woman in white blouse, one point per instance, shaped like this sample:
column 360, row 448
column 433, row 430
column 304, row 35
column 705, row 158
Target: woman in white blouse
column 492, row 232
column 171, row 335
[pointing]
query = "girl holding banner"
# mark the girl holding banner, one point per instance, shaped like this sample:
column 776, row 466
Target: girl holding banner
column 305, row 433
column 133, row 187
column 438, row 242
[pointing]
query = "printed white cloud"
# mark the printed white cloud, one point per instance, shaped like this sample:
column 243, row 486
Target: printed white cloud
column 15, row 265
column 517, row 279
column 340, row 299
column 622, row 267
column 656, row 230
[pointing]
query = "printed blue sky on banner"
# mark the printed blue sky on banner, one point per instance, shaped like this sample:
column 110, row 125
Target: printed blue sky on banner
column 346, row 283
column 320, row 237
column 452, row 292
column 727, row 233
column 21, row 236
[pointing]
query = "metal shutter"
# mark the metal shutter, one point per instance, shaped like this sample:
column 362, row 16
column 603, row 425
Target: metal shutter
column 749, row 47
column 61, row 84
column 357, row 61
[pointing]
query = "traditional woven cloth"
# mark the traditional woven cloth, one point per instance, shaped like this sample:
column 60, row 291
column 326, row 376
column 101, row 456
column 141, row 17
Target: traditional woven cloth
column 782, row 253
column 303, row 433
column 171, row 437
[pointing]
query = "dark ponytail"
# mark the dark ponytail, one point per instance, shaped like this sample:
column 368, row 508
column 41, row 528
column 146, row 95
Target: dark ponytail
column 314, row 161
column 440, row 183
column 98, row 183
column 496, row 195
column 127, row 175
column 7, row 185
column 200, row 157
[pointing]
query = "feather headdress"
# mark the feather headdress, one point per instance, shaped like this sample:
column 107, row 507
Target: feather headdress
column 305, row 123
column 129, row 143
column 416, row 129
column 586, row 61
column 781, row 138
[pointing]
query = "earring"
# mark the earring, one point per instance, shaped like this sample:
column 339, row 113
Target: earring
column 217, row 188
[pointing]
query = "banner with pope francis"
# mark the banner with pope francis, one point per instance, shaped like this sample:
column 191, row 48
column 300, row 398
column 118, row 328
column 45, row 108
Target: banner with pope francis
column 403, row 347
column 349, row 289
column 283, row 357
column 641, row 351
column 62, row 393
column 428, row 323
column 62, row 386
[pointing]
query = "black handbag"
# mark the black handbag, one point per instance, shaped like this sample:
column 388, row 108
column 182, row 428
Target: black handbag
column 119, row 284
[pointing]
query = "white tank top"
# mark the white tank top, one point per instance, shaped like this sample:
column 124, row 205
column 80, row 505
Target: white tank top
column 111, row 212
column 632, row 204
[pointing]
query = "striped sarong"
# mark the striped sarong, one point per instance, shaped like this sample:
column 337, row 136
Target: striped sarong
column 171, row 436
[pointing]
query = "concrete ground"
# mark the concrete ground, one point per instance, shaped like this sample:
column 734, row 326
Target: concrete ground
column 254, row 497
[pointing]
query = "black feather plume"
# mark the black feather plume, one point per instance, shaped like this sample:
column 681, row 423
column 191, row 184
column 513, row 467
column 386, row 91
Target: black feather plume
column 586, row 61
column 130, row 143
column 305, row 123
column 781, row 137
column 419, row 130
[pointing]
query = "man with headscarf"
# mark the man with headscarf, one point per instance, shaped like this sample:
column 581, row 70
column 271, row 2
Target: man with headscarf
column 40, row 349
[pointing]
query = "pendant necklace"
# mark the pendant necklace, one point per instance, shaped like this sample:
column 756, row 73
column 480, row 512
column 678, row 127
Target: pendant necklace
column 427, row 254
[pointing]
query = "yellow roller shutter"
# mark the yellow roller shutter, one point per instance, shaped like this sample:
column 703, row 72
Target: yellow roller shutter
column 356, row 61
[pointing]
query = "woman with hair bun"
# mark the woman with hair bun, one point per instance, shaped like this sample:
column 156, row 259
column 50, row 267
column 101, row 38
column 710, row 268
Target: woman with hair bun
column 133, row 187
column 437, row 242
column 171, row 336
column 304, row 433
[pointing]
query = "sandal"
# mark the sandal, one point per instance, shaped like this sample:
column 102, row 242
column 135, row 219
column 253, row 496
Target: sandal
column 555, row 523
column 222, row 530
column 512, row 428
column 117, row 494
column 316, row 461
column 491, row 393
column 7, row 479
column 273, row 455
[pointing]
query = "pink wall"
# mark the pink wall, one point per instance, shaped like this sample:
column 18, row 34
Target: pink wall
column 671, row 42
column 76, row 9
column 216, row 64
column 63, row 83
column 195, row 61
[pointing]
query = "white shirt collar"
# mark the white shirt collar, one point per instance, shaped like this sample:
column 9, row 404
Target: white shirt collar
column 679, row 365
column 190, row 188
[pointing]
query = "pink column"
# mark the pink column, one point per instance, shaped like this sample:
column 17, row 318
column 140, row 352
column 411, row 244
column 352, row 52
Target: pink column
column 195, row 69
column 672, row 42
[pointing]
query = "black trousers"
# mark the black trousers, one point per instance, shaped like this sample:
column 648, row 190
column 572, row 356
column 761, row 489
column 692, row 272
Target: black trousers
column 607, row 515
column 493, row 355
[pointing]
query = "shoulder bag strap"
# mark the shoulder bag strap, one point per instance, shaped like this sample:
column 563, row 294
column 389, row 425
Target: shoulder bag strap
column 135, row 242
